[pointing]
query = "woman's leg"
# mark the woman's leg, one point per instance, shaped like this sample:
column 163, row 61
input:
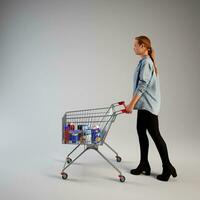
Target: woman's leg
column 153, row 129
column 144, row 145
column 142, row 135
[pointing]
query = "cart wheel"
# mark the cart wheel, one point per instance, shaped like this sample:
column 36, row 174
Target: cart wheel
column 69, row 160
column 122, row 178
column 118, row 158
column 64, row 176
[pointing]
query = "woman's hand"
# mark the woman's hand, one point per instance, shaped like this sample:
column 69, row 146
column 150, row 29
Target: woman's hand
column 129, row 108
column 131, row 105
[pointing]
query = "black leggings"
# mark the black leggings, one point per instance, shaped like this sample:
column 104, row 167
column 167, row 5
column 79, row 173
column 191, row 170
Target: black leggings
column 148, row 121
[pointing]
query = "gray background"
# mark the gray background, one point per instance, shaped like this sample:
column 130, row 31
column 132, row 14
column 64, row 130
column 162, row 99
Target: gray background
column 57, row 56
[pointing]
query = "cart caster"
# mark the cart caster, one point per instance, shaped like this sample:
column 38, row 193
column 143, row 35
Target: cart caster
column 64, row 175
column 69, row 160
column 118, row 158
column 122, row 178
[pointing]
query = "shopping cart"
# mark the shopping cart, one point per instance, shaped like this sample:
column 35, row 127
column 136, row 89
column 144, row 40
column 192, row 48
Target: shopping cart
column 90, row 128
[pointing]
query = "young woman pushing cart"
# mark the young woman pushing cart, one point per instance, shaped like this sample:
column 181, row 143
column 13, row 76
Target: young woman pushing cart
column 146, row 99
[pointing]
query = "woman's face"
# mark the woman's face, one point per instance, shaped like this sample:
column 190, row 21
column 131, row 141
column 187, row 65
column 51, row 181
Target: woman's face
column 139, row 49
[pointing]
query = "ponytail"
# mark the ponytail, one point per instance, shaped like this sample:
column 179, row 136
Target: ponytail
column 151, row 54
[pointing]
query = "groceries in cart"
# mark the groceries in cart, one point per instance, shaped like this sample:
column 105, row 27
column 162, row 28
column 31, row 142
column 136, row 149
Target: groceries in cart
column 82, row 134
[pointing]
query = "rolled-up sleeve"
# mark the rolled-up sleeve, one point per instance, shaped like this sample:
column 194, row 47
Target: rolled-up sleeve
column 144, row 78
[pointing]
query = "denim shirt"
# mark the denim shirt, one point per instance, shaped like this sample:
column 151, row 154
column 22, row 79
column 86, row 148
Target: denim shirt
column 146, row 85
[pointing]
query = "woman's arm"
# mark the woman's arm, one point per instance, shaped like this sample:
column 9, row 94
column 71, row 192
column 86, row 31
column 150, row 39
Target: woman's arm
column 131, row 105
column 144, row 78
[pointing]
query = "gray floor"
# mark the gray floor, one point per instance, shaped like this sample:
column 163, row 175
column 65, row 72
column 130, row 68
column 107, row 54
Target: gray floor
column 38, row 176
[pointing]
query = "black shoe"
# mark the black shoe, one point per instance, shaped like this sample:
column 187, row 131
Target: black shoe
column 142, row 168
column 167, row 172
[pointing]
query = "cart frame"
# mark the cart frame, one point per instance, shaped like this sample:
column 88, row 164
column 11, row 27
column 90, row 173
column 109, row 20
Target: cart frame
column 104, row 117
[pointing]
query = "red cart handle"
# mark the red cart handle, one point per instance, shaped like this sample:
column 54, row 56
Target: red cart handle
column 122, row 103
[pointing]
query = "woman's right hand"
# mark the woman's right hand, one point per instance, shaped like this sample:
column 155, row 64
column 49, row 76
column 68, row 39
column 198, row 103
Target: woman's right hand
column 129, row 108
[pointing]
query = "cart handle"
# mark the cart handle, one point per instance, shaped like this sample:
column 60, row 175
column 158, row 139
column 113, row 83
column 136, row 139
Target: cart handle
column 121, row 103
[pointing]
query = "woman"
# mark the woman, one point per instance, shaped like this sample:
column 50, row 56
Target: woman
column 146, row 99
